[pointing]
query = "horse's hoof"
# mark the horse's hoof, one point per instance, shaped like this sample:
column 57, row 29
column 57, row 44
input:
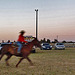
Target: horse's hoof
column 7, row 64
column 16, row 66
column 31, row 64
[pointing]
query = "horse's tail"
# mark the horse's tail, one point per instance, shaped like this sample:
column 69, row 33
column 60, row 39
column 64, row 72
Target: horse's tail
column 3, row 50
column 0, row 52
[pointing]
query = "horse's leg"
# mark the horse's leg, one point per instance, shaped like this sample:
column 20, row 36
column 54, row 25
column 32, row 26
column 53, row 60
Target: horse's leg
column 19, row 62
column 1, row 56
column 29, row 61
column 8, row 57
column 3, row 52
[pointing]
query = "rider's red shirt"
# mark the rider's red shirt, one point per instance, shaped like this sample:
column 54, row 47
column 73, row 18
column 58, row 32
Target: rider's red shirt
column 21, row 39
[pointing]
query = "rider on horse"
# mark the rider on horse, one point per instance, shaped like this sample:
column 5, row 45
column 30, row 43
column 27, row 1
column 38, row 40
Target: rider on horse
column 20, row 40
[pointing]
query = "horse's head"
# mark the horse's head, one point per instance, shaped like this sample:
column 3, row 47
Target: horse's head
column 36, row 43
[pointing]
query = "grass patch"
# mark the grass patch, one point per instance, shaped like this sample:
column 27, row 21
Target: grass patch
column 46, row 62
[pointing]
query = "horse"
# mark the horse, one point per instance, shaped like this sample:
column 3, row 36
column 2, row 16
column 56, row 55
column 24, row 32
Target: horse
column 10, row 50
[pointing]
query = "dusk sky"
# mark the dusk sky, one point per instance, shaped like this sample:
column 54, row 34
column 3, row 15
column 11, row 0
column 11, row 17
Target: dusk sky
column 55, row 18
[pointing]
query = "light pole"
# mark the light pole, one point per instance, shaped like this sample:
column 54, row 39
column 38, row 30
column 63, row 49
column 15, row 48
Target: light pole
column 36, row 10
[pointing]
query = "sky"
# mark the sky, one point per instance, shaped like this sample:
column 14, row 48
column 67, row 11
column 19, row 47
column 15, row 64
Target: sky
column 56, row 19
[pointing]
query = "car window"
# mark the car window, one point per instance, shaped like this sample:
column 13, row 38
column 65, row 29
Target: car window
column 3, row 44
column 45, row 44
column 59, row 43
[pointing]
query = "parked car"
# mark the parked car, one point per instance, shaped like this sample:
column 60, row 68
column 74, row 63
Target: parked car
column 59, row 46
column 46, row 46
column 0, row 47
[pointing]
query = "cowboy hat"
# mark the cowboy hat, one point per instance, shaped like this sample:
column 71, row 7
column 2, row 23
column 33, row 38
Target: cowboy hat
column 22, row 31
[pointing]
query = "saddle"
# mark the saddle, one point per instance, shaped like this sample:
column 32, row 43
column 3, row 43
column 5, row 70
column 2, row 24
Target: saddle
column 15, row 48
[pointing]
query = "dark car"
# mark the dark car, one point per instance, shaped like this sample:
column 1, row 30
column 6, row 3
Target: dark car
column 46, row 46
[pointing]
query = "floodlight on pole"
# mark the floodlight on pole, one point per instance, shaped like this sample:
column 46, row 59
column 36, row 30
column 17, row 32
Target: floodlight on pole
column 36, row 10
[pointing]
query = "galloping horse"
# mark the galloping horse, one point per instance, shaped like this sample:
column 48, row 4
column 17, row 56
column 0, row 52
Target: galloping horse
column 9, row 50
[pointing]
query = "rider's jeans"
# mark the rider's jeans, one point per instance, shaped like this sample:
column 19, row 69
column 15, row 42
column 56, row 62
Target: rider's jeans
column 20, row 46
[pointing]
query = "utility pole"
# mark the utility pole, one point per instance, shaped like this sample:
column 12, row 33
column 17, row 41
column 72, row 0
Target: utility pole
column 36, row 10
column 57, row 37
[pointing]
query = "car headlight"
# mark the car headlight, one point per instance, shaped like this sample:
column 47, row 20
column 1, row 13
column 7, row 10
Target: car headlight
column 43, row 46
column 51, row 46
column 57, row 47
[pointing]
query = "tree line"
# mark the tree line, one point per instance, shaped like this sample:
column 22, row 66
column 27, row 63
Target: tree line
column 55, row 41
